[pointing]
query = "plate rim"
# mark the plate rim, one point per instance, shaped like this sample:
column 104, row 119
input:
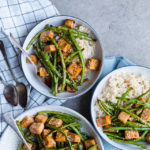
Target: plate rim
column 111, row 142
column 100, row 71
column 46, row 107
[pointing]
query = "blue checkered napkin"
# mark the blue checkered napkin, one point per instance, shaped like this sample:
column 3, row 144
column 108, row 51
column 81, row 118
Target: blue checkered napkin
column 19, row 17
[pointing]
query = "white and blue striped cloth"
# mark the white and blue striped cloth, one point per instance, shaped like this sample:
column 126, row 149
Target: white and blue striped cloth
column 19, row 17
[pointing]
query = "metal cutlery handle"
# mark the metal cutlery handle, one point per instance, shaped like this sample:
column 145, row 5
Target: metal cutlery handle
column 2, row 49
column 11, row 122
column 24, row 52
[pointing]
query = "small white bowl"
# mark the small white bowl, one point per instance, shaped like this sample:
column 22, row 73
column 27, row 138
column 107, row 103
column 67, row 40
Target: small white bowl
column 11, row 141
column 139, row 70
column 35, row 81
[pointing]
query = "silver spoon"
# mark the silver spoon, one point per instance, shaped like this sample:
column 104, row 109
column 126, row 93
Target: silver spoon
column 10, row 93
column 21, row 88
column 11, row 122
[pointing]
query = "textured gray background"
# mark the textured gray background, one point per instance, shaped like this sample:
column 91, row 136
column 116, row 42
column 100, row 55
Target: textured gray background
column 124, row 29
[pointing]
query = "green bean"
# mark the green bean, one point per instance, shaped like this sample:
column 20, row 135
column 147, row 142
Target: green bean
column 67, row 39
column 80, row 55
column 81, row 36
column 134, row 101
column 71, row 56
column 142, row 136
column 114, row 135
column 129, row 142
column 27, row 139
column 136, row 124
column 19, row 127
column 143, row 94
column 40, row 141
column 92, row 147
column 127, row 128
column 65, row 119
column 58, row 113
column 62, row 62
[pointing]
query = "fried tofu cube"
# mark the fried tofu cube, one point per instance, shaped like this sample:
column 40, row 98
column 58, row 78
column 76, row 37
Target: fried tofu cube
column 148, row 137
column 45, row 132
column 123, row 117
column 46, row 35
column 42, row 72
column 49, row 142
column 60, row 137
column 89, row 143
column 25, row 148
column 27, row 121
column 142, row 99
column 65, row 47
column 55, row 122
column 41, row 118
column 74, row 70
column 146, row 114
column 33, row 58
column 131, row 134
column 36, row 128
column 69, row 23
column 103, row 121
column 92, row 64
column 49, row 48
column 74, row 137
column 69, row 89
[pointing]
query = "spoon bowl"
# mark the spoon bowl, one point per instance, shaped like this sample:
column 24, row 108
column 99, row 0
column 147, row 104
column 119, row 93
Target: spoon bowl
column 10, row 94
column 22, row 93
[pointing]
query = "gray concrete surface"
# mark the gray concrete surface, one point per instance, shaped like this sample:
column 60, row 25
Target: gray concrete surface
column 124, row 29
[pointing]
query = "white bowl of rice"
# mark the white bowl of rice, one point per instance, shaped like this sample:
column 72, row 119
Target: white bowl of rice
column 114, row 85
column 90, row 50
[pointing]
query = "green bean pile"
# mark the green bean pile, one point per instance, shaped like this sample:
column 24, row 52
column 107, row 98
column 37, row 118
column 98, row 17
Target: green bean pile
column 69, row 123
column 57, row 70
column 133, row 107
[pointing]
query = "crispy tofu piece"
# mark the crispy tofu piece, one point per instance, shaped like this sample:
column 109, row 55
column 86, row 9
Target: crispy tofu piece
column 25, row 148
column 49, row 142
column 49, row 48
column 89, row 143
column 148, row 137
column 142, row 99
column 123, row 117
column 42, row 72
column 33, row 58
column 60, row 136
column 103, row 121
column 131, row 134
column 56, row 122
column 146, row 114
column 69, row 23
column 69, row 89
column 46, row 35
column 74, row 137
column 74, row 70
column 27, row 121
column 45, row 132
column 65, row 47
column 92, row 64
column 41, row 118
column 36, row 128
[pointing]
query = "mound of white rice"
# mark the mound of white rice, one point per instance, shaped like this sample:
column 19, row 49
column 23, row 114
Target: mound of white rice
column 88, row 46
column 118, row 84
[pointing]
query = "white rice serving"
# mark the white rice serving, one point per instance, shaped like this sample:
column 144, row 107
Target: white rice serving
column 88, row 46
column 118, row 84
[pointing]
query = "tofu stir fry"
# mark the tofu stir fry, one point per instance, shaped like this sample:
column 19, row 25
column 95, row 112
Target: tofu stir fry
column 62, row 64
column 128, row 121
column 50, row 130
